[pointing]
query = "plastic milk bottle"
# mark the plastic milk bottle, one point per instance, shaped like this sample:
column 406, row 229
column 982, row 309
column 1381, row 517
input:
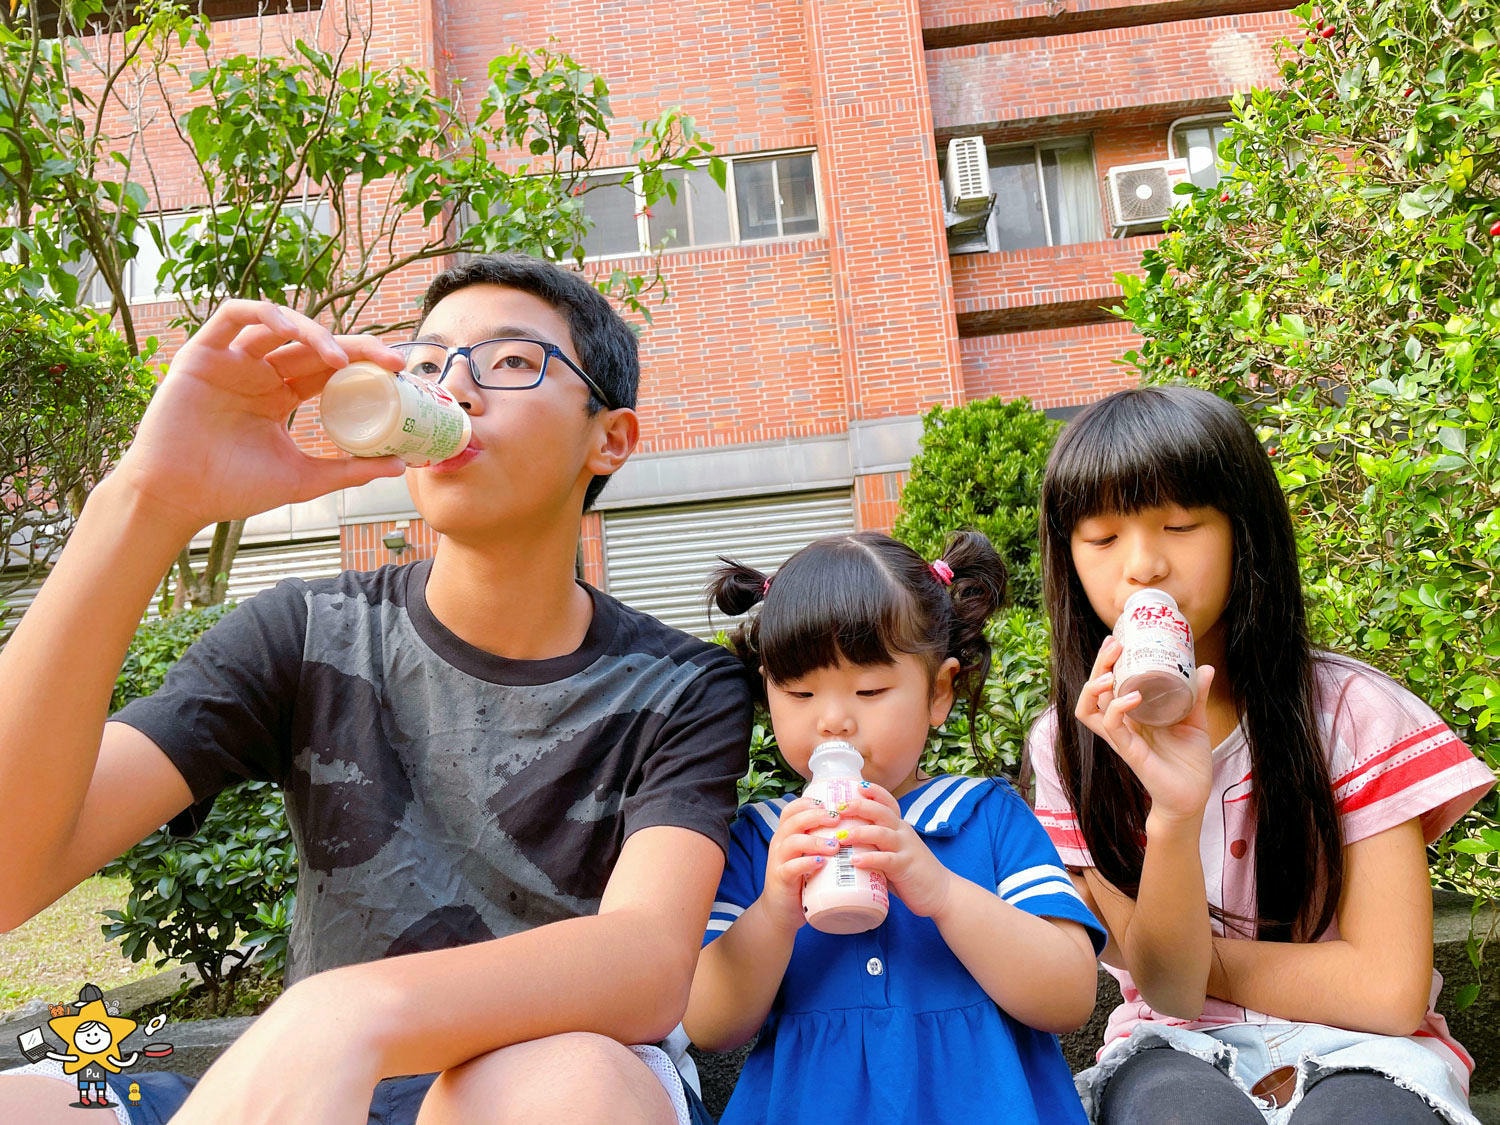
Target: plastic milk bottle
column 840, row 898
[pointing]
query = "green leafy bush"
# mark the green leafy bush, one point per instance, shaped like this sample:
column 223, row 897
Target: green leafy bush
column 212, row 899
column 980, row 467
column 1340, row 283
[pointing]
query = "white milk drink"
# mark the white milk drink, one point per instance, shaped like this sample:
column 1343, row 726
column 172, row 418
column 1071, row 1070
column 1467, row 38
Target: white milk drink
column 1156, row 658
column 371, row 412
column 840, row 898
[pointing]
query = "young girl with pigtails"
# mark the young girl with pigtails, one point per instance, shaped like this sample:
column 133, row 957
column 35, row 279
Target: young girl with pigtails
column 1261, row 864
column 946, row 1011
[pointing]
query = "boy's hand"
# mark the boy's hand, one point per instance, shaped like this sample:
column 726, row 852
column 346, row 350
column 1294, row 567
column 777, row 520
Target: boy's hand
column 1174, row 763
column 214, row 444
column 794, row 855
column 900, row 854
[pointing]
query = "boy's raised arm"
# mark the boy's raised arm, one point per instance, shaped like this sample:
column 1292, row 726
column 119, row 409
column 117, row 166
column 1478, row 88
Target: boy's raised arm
column 213, row 445
column 623, row 973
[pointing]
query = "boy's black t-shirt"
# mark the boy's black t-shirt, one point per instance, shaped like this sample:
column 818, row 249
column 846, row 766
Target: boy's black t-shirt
column 438, row 794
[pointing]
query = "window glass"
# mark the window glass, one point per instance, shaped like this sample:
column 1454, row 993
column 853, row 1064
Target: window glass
column 1072, row 194
column 775, row 197
column 709, row 206
column 698, row 217
column 668, row 222
column 1045, row 195
column 610, row 207
column 1017, row 222
column 755, row 195
column 1199, row 144
column 798, row 194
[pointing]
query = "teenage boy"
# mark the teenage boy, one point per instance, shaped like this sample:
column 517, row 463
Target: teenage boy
column 510, row 793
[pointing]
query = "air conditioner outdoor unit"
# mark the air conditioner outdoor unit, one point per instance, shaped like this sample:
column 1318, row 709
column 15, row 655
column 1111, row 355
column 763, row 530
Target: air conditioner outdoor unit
column 969, row 176
column 1141, row 194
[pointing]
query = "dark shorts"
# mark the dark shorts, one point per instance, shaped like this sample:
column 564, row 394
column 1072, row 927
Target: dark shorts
column 396, row 1100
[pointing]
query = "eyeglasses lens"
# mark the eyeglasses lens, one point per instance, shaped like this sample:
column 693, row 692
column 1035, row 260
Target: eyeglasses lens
column 498, row 364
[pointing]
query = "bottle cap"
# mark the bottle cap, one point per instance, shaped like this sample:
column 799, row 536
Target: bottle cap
column 835, row 758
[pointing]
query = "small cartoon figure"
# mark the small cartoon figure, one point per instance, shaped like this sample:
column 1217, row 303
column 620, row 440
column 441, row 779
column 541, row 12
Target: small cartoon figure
column 135, row 1093
column 93, row 1035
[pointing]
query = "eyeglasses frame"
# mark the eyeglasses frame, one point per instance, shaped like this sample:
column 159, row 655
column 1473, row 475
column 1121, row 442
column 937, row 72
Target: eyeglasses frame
column 549, row 350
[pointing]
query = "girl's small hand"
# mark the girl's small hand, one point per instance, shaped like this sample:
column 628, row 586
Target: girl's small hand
column 795, row 854
column 900, row 854
column 1175, row 763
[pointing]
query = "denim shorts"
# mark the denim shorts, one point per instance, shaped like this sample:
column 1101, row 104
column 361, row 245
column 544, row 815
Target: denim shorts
column 1247, row 1052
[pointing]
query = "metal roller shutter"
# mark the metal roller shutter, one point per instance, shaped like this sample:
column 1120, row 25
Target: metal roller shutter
column 659, row 559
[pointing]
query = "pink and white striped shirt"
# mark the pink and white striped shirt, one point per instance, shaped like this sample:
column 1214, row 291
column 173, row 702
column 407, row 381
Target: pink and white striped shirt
column 1391, row 759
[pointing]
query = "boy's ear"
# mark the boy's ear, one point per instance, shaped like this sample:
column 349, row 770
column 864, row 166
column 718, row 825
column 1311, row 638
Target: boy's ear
column 618, row 433
column 942, row 693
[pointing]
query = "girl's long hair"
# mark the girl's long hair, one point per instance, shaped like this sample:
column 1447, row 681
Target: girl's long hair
column 1177, row 445
column 865, row 597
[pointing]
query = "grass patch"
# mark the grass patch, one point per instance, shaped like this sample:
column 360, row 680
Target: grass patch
column 54, row 954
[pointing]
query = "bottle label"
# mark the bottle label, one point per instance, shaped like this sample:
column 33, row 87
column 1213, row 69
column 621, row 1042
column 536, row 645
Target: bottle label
column 1154, row 637
column 433, row 425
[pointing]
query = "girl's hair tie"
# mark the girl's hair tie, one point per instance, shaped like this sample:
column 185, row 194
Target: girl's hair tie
column 942, row 572
column 765, row 587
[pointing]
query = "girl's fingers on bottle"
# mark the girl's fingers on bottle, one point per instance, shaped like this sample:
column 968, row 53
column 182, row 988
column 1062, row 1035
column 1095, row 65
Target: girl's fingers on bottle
column 1095, row 698
column 1108, row 653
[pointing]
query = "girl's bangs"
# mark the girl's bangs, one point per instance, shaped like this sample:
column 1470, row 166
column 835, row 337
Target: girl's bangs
column 1136, row 452
column 833, row 606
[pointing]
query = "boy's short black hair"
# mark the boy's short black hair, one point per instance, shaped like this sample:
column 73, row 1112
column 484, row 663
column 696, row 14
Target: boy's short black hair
column 605, row 345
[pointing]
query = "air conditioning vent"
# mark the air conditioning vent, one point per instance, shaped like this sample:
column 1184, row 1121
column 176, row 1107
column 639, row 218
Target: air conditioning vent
column 968, row 179
column 1141, row 194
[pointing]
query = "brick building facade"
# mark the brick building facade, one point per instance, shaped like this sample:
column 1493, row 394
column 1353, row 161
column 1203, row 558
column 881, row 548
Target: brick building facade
column 822, row 304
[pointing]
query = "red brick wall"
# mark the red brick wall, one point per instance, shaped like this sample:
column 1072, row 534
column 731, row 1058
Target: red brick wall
column 591, row 550
column 741, row 70
column 877, row 500
column 1053, row 367
column 363, row 549
column 947, row 23
column 987, row 86
column 745, row 349
column 994, row 292
column 883, row 215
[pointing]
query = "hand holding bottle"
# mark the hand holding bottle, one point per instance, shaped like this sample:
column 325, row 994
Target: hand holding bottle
column 214, row 444
column 1174, row 763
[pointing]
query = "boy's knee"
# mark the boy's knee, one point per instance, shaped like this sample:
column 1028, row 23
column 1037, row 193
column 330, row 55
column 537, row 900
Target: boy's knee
column 577, row 1076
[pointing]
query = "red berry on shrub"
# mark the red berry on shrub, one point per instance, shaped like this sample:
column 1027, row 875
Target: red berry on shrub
column 1495, row 229
column 1224, row 197
column 1327, row 32
column 57, row 369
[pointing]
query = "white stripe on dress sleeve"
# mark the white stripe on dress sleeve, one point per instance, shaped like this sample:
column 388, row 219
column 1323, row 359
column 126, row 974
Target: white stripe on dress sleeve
column 1031, row 875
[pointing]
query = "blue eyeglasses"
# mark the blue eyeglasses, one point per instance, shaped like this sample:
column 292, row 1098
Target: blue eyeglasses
column 506, row 364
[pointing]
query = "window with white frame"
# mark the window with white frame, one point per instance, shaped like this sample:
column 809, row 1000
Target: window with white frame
column 1045, row 195
column 1197, row 141
column 763, row 198
column 142, row 273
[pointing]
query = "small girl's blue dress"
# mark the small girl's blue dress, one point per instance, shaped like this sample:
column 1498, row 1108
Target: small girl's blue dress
column 888, row 1025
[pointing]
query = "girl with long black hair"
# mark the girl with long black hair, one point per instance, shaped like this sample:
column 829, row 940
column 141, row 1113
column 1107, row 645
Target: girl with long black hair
column 1261, row 864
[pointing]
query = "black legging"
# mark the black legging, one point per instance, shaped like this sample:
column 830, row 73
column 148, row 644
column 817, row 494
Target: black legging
column 1166, row 1087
